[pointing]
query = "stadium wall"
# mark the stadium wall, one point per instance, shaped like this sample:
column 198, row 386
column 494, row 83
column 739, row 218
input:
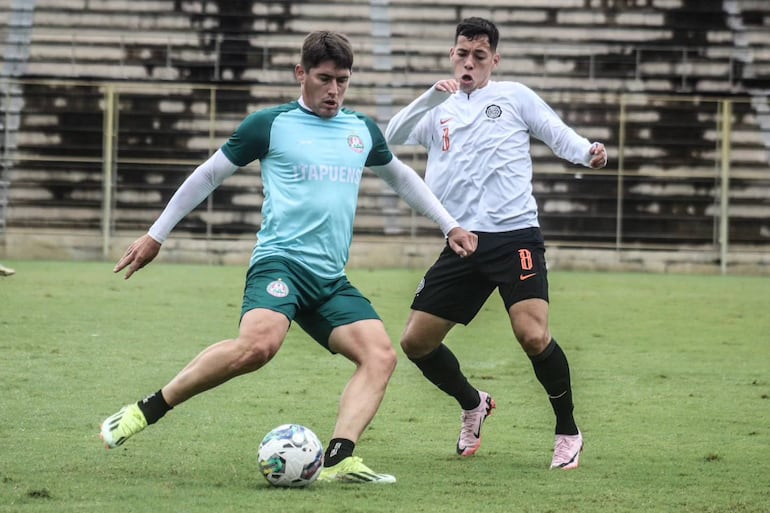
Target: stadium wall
column 378, row 252
column 651, row 78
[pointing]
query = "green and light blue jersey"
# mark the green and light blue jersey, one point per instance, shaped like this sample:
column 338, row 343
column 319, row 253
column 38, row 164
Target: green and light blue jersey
column 311, row 171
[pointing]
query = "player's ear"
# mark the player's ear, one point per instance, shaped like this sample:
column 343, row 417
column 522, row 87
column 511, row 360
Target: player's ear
column 495, row 60
column 299, row 73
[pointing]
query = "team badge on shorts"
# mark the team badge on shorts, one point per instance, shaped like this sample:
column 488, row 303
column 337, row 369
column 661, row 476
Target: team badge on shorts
column 277, row 288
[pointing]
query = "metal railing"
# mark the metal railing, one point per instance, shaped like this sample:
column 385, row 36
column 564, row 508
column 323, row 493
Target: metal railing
column 685, row 171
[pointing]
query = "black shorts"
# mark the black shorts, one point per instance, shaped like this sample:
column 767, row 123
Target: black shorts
column 456, row 288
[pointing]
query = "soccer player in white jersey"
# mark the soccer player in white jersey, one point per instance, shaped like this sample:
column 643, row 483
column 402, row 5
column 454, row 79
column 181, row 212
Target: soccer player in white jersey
column 312, row 153
column 477, row 134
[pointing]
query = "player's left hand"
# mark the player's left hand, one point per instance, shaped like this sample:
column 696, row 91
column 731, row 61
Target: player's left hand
column 599, row 156
column 462, row 241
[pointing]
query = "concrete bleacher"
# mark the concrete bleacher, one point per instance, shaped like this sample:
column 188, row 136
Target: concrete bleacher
column 581, row 59
column 153, row 40
column 543, row 42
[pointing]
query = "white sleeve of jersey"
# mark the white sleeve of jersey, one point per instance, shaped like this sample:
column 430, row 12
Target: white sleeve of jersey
column 547, row 126
column 197, row 187
column 412, row 189
column 401, row 126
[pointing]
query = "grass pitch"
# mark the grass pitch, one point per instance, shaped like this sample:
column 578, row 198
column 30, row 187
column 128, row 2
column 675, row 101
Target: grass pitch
column 671, row 376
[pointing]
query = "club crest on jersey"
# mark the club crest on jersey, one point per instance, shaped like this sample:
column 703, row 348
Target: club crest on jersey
column 493, row 111
column 355, row 143
column 277, row 288
column 420, row 287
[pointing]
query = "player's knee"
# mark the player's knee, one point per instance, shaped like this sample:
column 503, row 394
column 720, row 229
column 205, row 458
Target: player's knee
column 415, row 348
column 423, row 334
column 534, row 341
column 378, row 367
column 376, row 358
column 380, row 361
column 388, row 360
column 252, row 354
column 408, row 346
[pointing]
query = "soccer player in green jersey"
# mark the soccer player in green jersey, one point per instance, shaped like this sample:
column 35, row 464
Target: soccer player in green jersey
column 312, row 153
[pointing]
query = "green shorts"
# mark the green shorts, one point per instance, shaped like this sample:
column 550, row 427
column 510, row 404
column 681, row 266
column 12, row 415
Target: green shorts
column 317, row 304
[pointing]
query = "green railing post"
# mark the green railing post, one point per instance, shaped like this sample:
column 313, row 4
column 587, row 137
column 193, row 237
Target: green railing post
column 724, row 188
column 621, row 154
column 108, row 164
column 212, row 148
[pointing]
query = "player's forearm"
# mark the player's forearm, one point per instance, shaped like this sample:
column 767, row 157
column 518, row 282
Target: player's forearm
column 197, row 187
column 402, row 124
column 547, row 126
column 572, row 147
column 412, row 189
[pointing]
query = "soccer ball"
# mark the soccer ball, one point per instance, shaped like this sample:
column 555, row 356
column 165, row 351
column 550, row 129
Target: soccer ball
column 290, row 455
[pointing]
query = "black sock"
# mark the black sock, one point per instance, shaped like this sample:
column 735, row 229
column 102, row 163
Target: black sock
column 443, row 370
column 154, row 406
column 552, row 370
column 337, row 450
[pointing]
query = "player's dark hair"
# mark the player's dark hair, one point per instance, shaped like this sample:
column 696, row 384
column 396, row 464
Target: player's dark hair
column 474, row 27
column 323, row 45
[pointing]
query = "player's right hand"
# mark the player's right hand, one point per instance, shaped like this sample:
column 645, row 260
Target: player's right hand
column 462, row 242
column 140, row 253
column 450, row 85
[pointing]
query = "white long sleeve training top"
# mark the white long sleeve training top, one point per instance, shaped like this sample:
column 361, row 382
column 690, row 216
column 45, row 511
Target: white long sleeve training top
column 479, row 163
